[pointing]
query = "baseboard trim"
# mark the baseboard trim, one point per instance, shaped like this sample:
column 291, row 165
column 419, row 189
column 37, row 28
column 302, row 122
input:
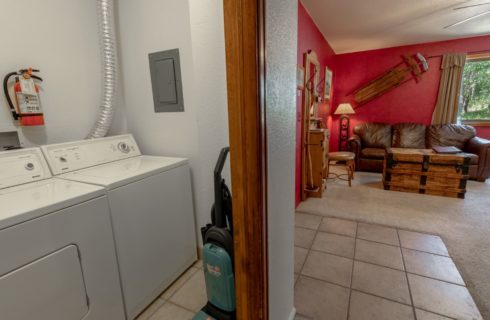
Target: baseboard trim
column 293, row 314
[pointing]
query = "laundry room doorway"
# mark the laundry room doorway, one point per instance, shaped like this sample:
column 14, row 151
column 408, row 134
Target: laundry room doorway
column 261, row 42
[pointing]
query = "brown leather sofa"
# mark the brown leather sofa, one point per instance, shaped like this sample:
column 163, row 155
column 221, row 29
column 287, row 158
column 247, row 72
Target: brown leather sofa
column 371, row 139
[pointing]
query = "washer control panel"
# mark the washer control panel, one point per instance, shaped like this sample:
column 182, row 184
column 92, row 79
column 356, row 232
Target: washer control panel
column 22, row 166
column 71, row 156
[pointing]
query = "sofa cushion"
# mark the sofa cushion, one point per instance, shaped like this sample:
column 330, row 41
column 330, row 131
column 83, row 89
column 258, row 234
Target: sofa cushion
column 447, row 135
column 409, row 135
column 373, row 153
column 374, row 135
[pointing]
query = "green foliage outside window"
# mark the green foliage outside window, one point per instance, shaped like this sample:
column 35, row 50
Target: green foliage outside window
column 476, row 91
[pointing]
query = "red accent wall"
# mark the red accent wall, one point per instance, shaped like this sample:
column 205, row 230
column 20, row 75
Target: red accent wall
column 410, row 102
column 310, row 38
column 483, row 132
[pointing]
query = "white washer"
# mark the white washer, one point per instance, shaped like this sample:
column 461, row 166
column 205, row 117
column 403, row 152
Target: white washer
column 151, row 207
column 57, row 254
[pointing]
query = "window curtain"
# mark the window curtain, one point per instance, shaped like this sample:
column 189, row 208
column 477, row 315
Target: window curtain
column 447, row 106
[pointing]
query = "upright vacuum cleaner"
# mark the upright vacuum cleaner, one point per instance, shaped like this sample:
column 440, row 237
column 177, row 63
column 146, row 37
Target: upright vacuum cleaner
column 218, row 252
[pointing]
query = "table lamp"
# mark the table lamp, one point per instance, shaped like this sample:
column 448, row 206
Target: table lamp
column 344, row 109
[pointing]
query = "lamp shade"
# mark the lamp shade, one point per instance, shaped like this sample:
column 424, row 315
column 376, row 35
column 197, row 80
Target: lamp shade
column 345, row 108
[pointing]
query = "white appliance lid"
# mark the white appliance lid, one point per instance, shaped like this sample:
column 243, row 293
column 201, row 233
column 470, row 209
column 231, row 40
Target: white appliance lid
column 76, row 155
column 22, row 166
column 32, row 200
column 119, row 173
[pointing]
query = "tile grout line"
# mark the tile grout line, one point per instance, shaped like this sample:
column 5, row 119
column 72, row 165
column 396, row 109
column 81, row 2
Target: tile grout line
column 182, row 307
column 300, row 274
column 177, row 289
column 183, row 283
column 381, row 297
column 438, row 314
column 373, row 223
column 368, row 240
column 408, row 272
column 332, row 254
column 387, row 244
column 148, row 307
column 406, row 277
column 304, row 228
column 309, row 250
column 383, row 266
column 326, row 281
column 435, row 279
column 180, row 287
column 352, row 272
column 378, row 265
column 360, row 291
column 379, row 225
column 377, row 242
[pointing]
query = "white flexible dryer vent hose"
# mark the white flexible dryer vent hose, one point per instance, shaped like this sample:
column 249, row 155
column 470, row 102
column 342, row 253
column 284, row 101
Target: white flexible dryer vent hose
column 108, row 45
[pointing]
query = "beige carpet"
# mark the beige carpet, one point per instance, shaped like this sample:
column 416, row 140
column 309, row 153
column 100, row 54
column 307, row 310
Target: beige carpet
column 464, row 225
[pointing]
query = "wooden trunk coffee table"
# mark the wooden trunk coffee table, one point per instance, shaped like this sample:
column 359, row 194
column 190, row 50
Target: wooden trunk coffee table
column 425, row 171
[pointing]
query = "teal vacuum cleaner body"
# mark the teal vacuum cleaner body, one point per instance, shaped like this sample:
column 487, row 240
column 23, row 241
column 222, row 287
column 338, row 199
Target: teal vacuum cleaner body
column 218, row 252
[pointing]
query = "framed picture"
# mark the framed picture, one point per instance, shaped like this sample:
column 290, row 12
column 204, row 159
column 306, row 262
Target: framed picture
column 300, row 78
column 328, row 83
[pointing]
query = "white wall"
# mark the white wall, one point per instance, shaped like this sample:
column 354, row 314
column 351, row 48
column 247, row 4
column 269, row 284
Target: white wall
column 281, row 46
column 60, row 38
column 210, row 98
column 196, row 28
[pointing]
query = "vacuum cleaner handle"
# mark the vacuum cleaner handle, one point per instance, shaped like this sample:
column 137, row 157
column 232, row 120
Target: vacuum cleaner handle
column 221, row 163
column 218, row 189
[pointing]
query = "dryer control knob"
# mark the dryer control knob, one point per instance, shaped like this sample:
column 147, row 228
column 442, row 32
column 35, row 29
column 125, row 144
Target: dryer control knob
column 29, row 166
column 123, row 147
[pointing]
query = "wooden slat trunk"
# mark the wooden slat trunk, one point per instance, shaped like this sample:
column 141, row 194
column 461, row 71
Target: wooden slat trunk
column 424, row 171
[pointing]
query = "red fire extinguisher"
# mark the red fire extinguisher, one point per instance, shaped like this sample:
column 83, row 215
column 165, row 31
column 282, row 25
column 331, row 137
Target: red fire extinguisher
column 27, row 107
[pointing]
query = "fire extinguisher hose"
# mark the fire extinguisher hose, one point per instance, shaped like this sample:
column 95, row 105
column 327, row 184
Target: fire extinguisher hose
column 7, row 95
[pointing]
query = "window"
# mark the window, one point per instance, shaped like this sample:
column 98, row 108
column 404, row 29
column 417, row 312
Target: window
column 475, row 100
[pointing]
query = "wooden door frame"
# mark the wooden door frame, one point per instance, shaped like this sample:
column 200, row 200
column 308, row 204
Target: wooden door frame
column 245, row 66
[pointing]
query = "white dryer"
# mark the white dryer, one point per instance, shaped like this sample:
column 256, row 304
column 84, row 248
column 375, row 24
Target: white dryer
column 57, row 255
column 151, row 207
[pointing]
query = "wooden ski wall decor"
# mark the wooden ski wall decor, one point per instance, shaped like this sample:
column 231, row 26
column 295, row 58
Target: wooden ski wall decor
column 412, row 67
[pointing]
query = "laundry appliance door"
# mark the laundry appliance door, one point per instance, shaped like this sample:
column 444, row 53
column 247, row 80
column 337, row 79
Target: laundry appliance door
column 61, row 266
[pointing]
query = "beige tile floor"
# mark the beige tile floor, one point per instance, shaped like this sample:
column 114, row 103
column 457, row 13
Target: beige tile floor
column 358, row 271
column 182, row 300
column 348, row 270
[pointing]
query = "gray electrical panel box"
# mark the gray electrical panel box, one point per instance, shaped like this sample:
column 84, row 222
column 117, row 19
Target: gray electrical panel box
column 166, row 81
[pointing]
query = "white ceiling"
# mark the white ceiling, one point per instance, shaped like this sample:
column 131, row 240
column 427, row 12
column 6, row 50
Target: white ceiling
column 358, row 25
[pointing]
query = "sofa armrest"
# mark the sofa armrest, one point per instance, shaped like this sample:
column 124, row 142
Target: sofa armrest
column 355, row 146
column 480, row 147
